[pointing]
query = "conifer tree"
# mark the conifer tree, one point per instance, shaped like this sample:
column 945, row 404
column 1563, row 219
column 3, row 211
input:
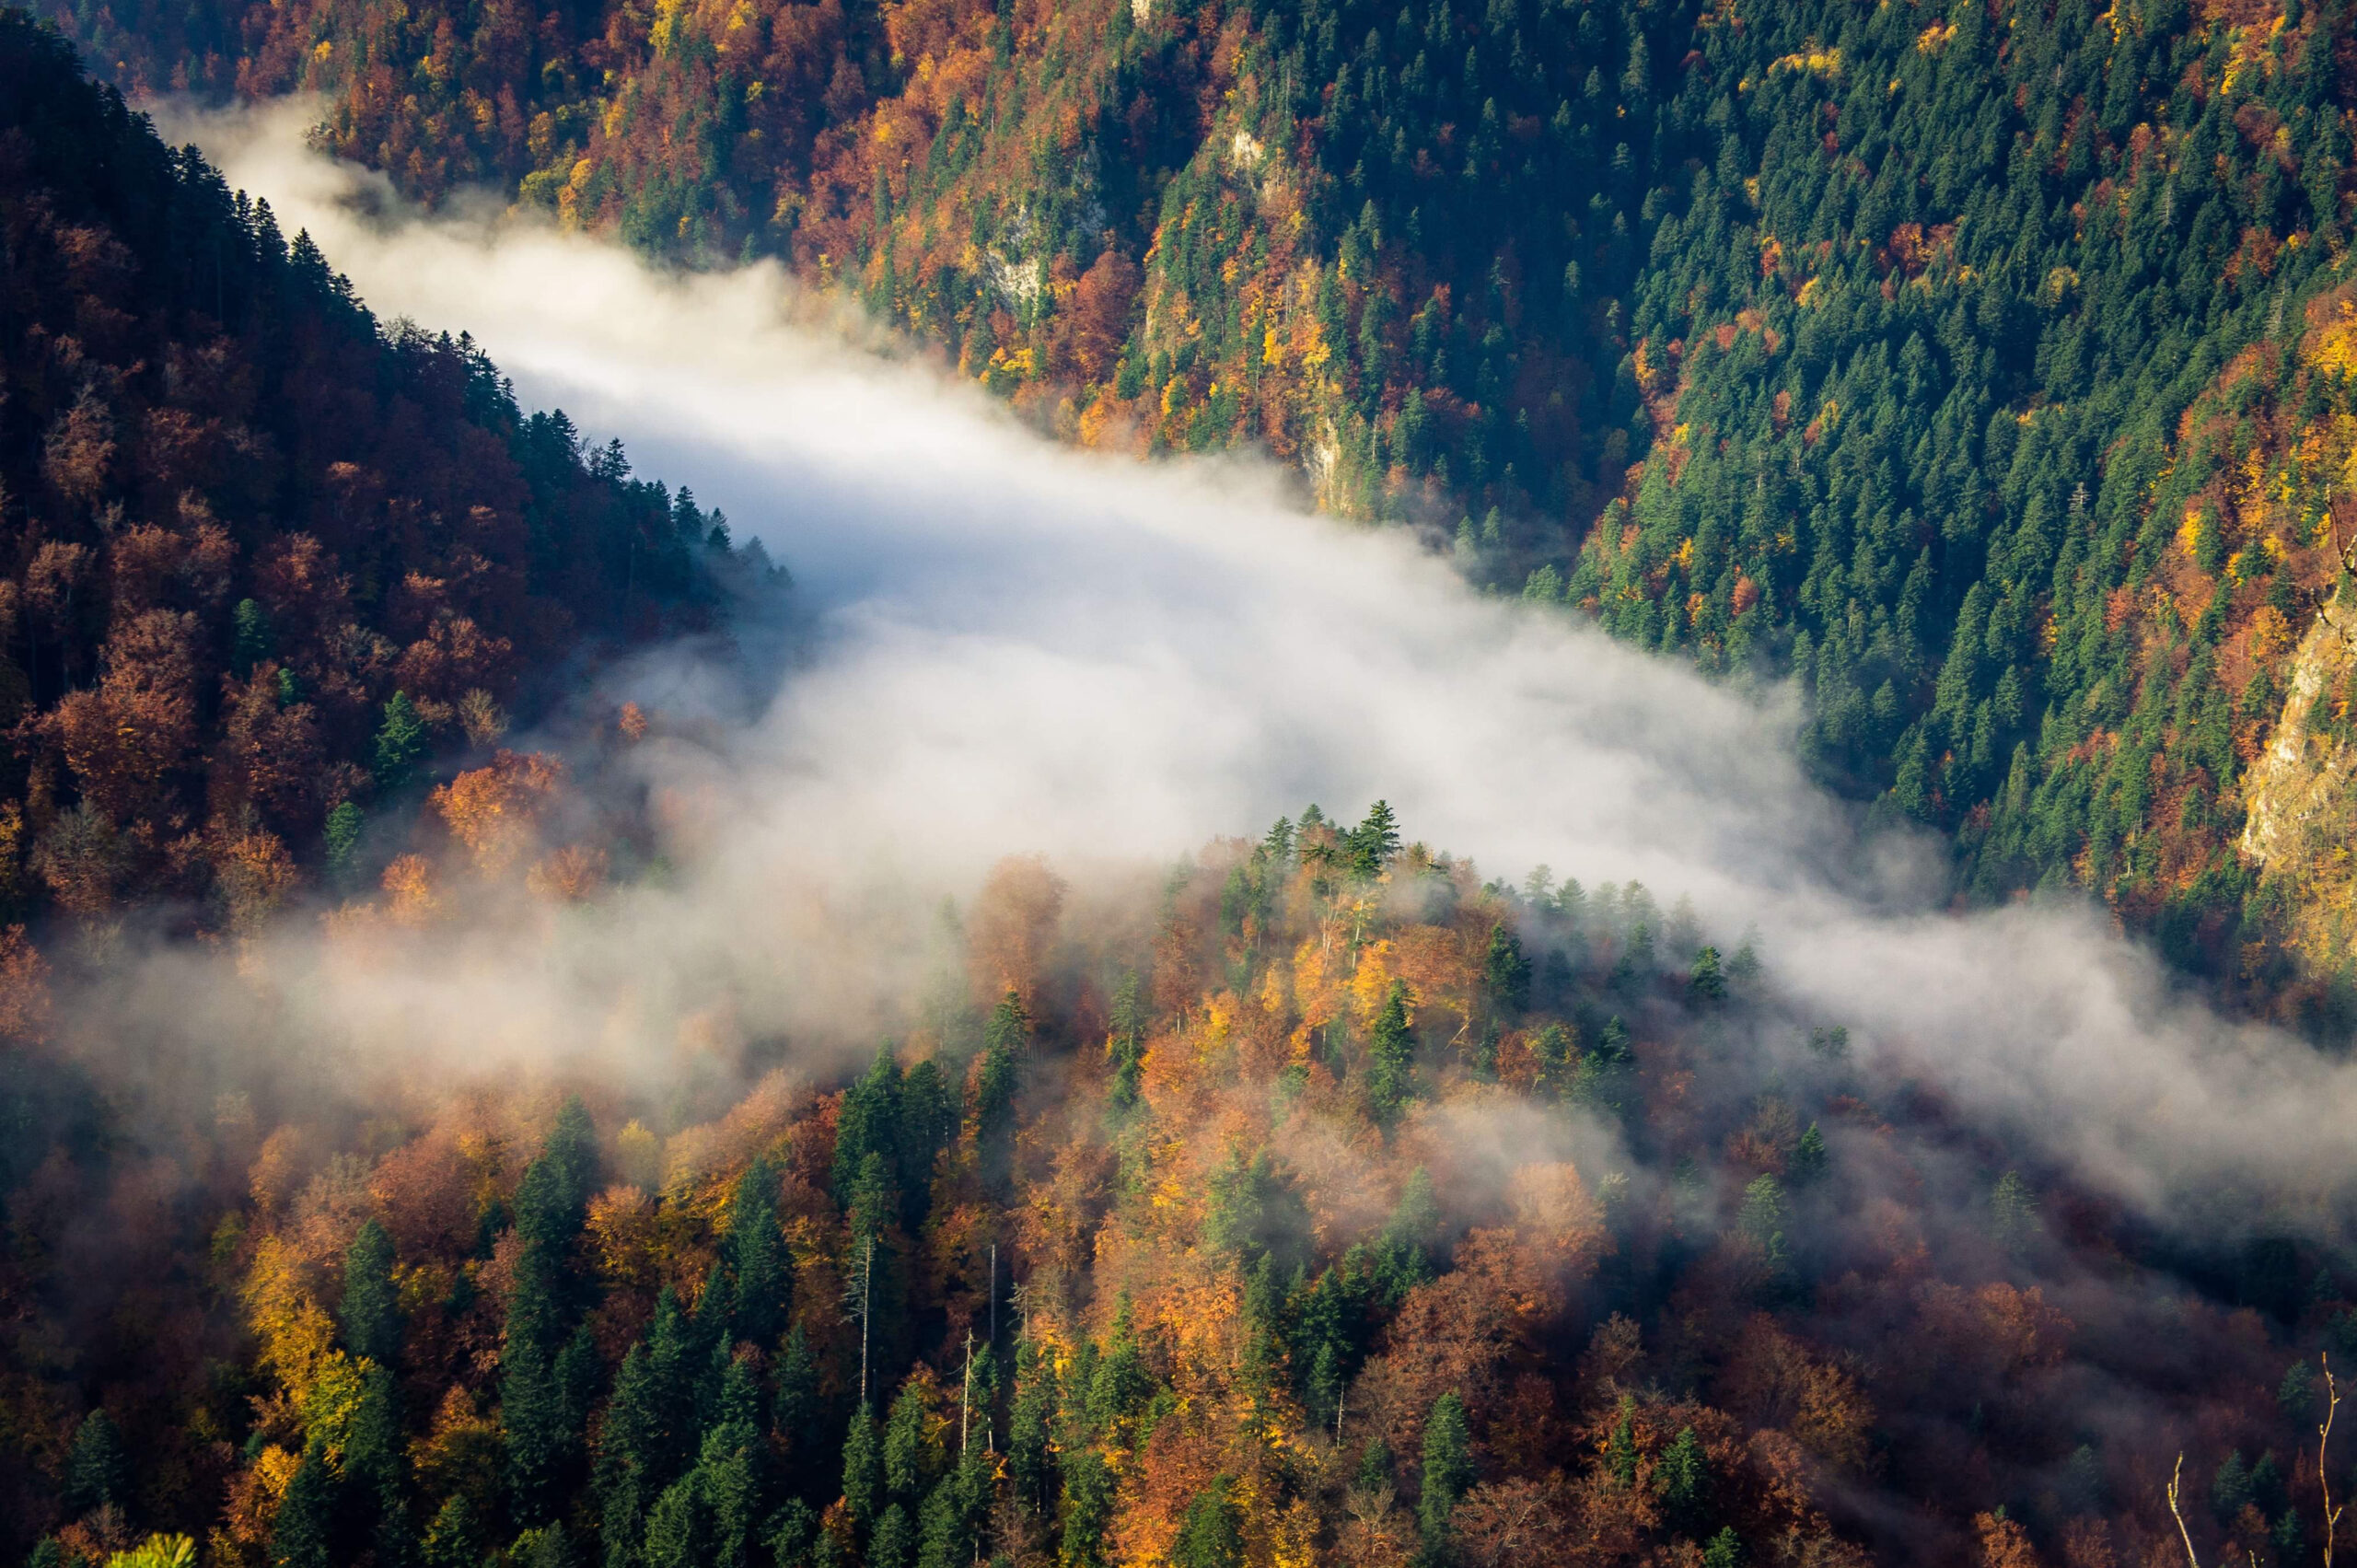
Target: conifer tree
column 753, row 1255
column 1390, row 1059
column 1448, row 1469
column 370, row 1311
column 1684, row 1476
column 98, row 1471
column 863, row 1469
column 895, row 1543
column 302, row 1535
column 1212, row 1536
column 400, row 743
column 454, row 1540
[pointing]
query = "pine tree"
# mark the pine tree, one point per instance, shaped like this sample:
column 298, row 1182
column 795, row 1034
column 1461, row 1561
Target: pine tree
column 1705, row 982
column 795, row 1412
column 1725, row 1551
column 912, row 1459
column 1808, row 1158
column 1125, row 1042
column 1620, row 1449
column 1087, row 1508
column 250, row 641
column 1003, row 1042
column 1373, row 842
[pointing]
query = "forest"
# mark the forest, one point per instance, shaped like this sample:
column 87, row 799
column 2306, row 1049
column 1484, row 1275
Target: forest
column 1342, row 1207
column 1983, row 367
column 1317, row 1200
column 265, row 560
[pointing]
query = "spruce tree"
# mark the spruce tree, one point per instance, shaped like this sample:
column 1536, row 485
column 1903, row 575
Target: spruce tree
column 1449, row 1468
column 301, row 1535
column 400, row 743
column 98, row 1471
column 895, row 1543
column 1684, row 1477
column 1211, row 1535
column 1390, row 1059
column 863, row 1469
column 454, row 1540
column 370, row 1311
column 753, row 1254
column 675, row 1526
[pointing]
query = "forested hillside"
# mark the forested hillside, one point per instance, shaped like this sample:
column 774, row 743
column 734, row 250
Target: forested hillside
column 262, row 559
column 1984, row 364
column 1361, row 1214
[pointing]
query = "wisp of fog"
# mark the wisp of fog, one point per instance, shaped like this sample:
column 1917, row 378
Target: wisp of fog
column 1011, row 646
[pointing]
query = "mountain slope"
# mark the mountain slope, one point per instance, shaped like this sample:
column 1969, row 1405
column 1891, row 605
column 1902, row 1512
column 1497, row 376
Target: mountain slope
column 260, row 557
column 1890, row 346
column 1341, row 1210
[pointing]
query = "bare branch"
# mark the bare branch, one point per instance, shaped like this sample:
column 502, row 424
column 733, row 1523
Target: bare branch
column 2174, row 1476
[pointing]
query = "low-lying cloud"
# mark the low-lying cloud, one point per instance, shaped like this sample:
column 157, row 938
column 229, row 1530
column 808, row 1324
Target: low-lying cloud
column 1013, row 647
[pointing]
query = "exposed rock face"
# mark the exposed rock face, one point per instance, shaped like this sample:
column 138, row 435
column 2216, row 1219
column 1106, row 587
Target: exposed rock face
column 2300, row 806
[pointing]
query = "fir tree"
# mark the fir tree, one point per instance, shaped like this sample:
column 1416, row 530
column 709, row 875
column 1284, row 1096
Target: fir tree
column 1684, row 1477
column 1211, row 1535
column 301, row 1535
column 453, row 1540
column 370, row 1311
column 98, row 1471
column 1390, row 1059
column 400, row 743
column 1449, row 1468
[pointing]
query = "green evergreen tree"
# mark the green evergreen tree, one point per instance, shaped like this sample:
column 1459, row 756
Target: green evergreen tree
column 250, row 637
column 1448, row 1469
column 676, row 1536
column 98, row 1470
column 1724, row 1550
column 1620, row 1449
column 863, row 1469
column 454, row 1540
column 343, row 842
column 1704, row 983
column 1087, row 1508
column 753, row 1256
column 895, row 1544
column 1684, row 1476
column 1211, row 1535
column 400, row 743
column 1808, row 1159
column 912, row 1459
column 1373, row 842
column 1390, row 1059
column 302, row 1535
column 1125, row 1042
column 1506, row 972
column 370, row 1312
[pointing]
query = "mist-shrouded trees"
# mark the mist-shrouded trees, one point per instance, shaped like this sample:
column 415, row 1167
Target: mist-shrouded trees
column 1347, row 1248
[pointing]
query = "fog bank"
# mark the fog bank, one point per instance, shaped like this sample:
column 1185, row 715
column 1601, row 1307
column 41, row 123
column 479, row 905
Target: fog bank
column 1014, row 647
